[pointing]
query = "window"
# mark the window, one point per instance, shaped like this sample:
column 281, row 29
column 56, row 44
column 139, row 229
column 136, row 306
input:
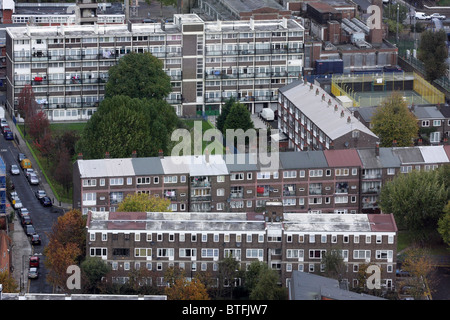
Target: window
column 315, row 173
column 129, row 181
column 425, row 123
column 89, row 182
column 220, row 178
column 405, row 169
column 361, row 254
column 184, row 252
column 170, row 179
column 220, row 192
column 390, row 171
column 143, row 180
column 341, row 172
column 254, row 253
column 237, row 176
column 116, row 181
column 210, row 253
column 436, row 123
column 142, row 252
column 290, row 174
column 165, row 252
column 383, row 254
column 435, row 137
column 316, row 254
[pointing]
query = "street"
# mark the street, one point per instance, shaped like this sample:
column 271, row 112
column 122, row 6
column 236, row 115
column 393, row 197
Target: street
column 42, row 219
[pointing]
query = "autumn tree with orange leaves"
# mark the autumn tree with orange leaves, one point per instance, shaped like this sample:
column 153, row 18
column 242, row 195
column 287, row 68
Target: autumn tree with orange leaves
column 66, row 247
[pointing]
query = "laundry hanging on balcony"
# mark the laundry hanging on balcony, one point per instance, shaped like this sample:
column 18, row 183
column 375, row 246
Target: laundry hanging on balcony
column 260, row 189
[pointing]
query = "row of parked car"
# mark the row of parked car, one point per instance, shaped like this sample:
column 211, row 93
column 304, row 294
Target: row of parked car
column 424, row 16
column 23, row 213
column 6, row 130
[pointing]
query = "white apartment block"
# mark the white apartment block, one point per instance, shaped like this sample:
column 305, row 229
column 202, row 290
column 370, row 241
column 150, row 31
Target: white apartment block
column 208, row 62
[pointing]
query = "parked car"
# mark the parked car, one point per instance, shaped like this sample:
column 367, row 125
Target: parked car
column 13, row 195
column 26, row 220
column 3, row 122
column 28, row 171
column 46, row 201
column 33, row 273
column 8, row 135
column 34, row 261
column 20, row 157
column 17, row 203
column 5, row 128
column 29, row 230
column 40, row 194
column 422, row 16
column 14, row 169
column 23, row 212
column 35, row 239
column 437, row 16
column 33, row 179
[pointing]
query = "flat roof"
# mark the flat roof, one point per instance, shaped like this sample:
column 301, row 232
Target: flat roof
column 329, row 222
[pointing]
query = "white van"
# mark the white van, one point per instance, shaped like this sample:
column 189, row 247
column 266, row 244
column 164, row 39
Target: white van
column 267, row 114
column 422, row 16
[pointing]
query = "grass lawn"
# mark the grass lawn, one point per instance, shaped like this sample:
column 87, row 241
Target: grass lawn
column 205, row 126
column 45, row 166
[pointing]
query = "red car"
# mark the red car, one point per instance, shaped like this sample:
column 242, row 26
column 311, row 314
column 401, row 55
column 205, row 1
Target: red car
column 34, row 261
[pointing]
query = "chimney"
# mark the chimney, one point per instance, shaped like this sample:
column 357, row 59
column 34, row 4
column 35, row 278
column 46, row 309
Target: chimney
column 207, row 156
column 323, row 96
column 419, row 142
column 331, row 145
column 329, row 102
column 80, row 156
column 394, row 143
column 349, row 119
column 342, row 113
column 335, row 107
column 377, row 149
column 106, row 155
column 317, row 91
column 161, row 154
column 134, row 154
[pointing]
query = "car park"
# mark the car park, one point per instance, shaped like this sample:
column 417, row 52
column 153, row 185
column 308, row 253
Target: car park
column 35, row 239
column 34, row 261
column 29, row 230
column 33, row 273
column 46, row 201
column 33, row 179
column 14, row 169
column 26, row 220
column 40, row 194
column 437, row 16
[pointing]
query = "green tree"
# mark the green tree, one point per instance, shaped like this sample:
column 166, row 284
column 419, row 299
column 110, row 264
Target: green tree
column 392, row 120
column 334, row 264
column 93, row 270
column 262, row 283
column 229, row 271
column 138, row 75
column 417, row 200
column 123, row 125
column 433, row 53
column 238, row 118
column 444, row 225
column 142, row 202
column 220, row 121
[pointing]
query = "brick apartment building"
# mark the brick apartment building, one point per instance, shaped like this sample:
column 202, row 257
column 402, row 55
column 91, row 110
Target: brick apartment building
column 208, row 62
column 197, row 242
column 314, row 120
column 329, row 181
